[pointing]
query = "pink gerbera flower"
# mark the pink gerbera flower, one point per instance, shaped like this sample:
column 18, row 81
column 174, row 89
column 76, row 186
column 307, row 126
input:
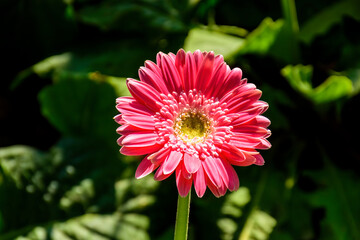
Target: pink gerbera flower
column 192, row 115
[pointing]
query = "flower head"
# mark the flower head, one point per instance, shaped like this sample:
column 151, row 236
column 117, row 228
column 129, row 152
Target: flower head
column 192, row 115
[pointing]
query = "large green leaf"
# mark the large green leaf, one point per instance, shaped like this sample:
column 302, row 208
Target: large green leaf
column 332, row 89
column 338, row 197
column 263, row 37
column 73, row 178
column 232, row 210
column 105, row 58
column 80, row 108
column 258, row 226
column 324, row 20
column 129, row 15
column 212, row 40
column 93, row 227
column 273, row 39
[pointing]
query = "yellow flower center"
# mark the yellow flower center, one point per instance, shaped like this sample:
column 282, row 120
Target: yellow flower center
column 192, row 127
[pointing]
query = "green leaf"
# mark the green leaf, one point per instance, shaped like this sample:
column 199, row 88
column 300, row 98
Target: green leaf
column 332, row 89
column 354, row 76
column 338, row 196
column 80, row 108
column 93, row 227
column 119, row 84
column 21, row 164
column 127, row 15
column 274, row 39
column 106, row 58
column 263, row 37
column 258, row 226
column 210, row 40
column 232, row 210
column 324, row 20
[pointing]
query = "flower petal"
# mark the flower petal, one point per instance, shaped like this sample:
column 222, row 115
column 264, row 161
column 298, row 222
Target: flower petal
column 200, row 182
column 232, row 80
column 159, row 174
column 233, row 178
column 145, row 168
column 205, row 72
column 180, row 64
column 140, row 120
column 189, row 72
column 127, row 129
column 212, row 171
column 191, row 163
column 154, row 80
column 171, row 162
column 217, row 79
column 140, row 139
column 183, row 184
column 153, row 67
column 135, row 151
column 159, row 156
column 170, row 74
column 259, row 160
column 144, row 93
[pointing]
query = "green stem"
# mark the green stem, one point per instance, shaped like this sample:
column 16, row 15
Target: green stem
column 292, row 25
column 182, row 218
column 289, row 12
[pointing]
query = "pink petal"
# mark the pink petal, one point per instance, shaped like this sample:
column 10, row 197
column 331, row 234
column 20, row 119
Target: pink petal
column 259, row 160
column 170, row 74
column 159, row 156
column 153, row 67
column 212, row 171
column 260, row 121
column 238, row 91
column 205, row 72
column 233, row 80
column 249, row 160
column 159, row 174
column 236, row 156
column 245, row 116
column 198, row 57
column 200, row 182
column 118, row 118
column 172, row 161
column 217, row 79
column 264, row 144
column 131, row 106
column 191, row 163
column 250, row 130
column 144, row 93
column 180, row 63
column 218, row 191
column 135, row 151
column 145, row 168
column 127, row 129
column 183, row 184
column 233, row 183
column 140, row 139
column 140, row 121
column 151, row 78
column 189, row 72
column 243, row 100
column 222, row 171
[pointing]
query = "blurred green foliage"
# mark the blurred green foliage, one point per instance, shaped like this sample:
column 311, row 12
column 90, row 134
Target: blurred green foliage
column 61, row 175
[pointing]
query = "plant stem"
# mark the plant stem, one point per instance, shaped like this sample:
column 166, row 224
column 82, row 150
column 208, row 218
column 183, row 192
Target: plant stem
column 182, row 218
column 292, row 25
